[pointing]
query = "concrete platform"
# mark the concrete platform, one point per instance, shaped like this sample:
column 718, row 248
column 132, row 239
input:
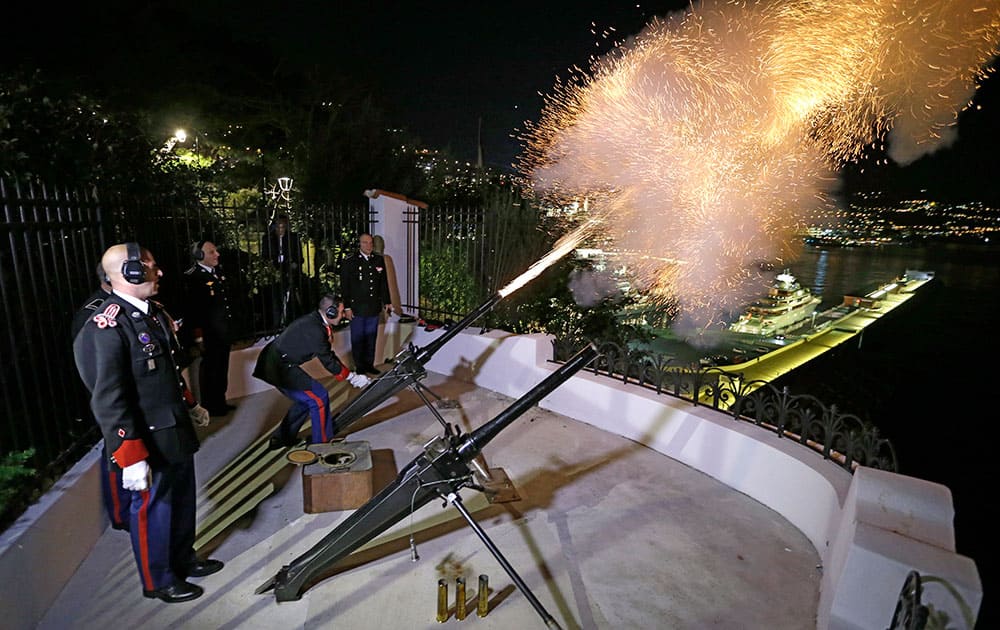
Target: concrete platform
column 608, row 533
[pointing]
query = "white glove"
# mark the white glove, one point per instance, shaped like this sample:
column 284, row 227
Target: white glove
column 358, row 380
column 136, row 476
column 199, row 415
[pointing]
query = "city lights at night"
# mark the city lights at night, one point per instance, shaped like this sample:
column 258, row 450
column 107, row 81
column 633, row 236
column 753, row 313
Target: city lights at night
column 713, row 134
column 772, row 226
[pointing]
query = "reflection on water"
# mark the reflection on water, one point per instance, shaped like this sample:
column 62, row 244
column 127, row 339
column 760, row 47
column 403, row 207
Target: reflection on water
column 923, row 374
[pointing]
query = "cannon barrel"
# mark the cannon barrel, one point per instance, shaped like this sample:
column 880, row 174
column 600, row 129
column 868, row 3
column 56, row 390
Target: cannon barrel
column 407, row 369
column 472, row 444
column 441, row 468
column 424, row 354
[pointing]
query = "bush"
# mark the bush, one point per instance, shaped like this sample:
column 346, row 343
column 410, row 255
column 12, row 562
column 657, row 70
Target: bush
column 17, row 483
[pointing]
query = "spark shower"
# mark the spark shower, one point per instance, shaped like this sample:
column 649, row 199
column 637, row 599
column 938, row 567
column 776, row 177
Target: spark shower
column 703, row 143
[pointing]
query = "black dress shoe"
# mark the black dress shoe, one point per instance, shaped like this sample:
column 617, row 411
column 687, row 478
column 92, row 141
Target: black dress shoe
column 201, row 568
column 276, row 442
column 176, row 592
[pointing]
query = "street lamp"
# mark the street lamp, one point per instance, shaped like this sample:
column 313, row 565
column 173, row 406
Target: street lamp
column 281, row 190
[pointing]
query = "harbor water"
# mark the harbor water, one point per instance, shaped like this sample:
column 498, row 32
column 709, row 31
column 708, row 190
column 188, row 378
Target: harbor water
column 923, row 375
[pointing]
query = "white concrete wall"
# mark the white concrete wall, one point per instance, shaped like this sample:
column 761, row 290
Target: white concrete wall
column 42, row 550
column 870, row 529
column 241, row 363
column 890, row 525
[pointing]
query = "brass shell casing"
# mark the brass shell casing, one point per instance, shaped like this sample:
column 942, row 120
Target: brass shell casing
column 442, row 612
column 483, row 603
column 460, row 599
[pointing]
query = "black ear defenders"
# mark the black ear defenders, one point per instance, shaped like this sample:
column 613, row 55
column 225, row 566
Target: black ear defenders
column 332, row 310
column 133, row 270
column 197, row 252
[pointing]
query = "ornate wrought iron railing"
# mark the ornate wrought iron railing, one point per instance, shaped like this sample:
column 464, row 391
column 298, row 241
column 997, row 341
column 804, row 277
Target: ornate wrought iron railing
column 844, row 439
column 914, row 614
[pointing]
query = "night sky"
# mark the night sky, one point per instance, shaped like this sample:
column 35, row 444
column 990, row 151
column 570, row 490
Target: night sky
column 438, row 67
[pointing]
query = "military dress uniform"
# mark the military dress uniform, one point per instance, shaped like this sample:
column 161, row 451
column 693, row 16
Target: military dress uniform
column 364, row 287
column 305, row 338
column 116, row 499
column 126, row 359
column 206, row 317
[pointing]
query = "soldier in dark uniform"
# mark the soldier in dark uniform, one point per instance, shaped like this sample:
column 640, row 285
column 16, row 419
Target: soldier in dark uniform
column 86, row 311
column 125, row 356
column 116, row 499
column 206, row 318
column 365, row 288
column 307, row 337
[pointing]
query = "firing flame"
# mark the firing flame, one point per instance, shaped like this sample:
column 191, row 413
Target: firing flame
column 714, row 134
column 563, row 246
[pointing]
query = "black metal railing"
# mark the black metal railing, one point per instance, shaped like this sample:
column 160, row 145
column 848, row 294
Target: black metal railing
column 912, row 613
column 842, row 438
column 51, row 240
column 262, row 297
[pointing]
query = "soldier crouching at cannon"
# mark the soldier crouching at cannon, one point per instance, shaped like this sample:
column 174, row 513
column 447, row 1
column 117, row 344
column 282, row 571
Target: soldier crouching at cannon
column 308, row 337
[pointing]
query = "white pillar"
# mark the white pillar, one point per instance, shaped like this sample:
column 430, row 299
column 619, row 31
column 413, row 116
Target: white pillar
column 397, row 220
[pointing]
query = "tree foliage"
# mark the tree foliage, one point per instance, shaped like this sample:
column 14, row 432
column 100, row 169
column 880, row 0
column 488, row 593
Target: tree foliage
column 547, row 305
column 68, row 138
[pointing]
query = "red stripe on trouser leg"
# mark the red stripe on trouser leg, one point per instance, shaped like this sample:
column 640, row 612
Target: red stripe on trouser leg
column 321, row 412
column 143, row 534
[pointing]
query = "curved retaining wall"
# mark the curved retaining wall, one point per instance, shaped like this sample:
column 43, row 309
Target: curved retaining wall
column 870, row 529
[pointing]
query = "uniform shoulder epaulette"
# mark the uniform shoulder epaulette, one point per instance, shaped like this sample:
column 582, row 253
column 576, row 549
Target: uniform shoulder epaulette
column 191, row 270
column 94, row 304
column 107, row 317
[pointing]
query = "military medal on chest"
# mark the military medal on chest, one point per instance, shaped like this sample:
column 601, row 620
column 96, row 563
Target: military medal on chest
column 149, row 348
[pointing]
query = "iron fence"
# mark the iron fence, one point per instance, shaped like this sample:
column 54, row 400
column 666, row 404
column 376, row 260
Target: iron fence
column 46, row 233
column 842, row 438
column 262, row 296
column 52, row 240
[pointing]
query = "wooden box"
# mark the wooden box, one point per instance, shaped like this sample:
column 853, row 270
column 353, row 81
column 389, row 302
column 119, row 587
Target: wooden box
column 340, row 479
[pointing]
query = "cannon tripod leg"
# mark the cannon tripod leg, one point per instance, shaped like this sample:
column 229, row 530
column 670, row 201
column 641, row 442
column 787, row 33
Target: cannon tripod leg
column 420, row 388
column 456, row 500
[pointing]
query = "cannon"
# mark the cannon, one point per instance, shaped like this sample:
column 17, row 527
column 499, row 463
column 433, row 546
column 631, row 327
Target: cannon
column 440, row 471
column 407, row 371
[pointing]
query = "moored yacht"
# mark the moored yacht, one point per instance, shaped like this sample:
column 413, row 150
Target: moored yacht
column 786, row 305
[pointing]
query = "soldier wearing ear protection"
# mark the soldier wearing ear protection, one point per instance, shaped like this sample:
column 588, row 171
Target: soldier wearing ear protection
column 278, row 364
column 206, row 324
column 126, row 356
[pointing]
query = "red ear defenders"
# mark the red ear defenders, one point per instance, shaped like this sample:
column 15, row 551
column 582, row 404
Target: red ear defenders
column 133, row 270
